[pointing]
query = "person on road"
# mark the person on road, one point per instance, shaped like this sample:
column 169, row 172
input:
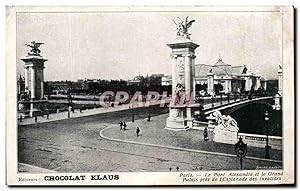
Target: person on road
column 205, row 134
column 47, row 113
column 35, row 118
column 124, row 125
column 138, row 131
column 121, row 125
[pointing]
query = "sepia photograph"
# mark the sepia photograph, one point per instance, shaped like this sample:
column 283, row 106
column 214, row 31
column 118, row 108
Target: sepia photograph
column 150, row 95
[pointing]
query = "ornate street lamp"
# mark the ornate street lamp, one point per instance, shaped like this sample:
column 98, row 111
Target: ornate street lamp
column 94, row 99
column 267, row 147
column 240, row 150
column 212, row 101
column 228, row 97
column 221, row 97
column 132, row 113
column 69, row 104
column 149, row 113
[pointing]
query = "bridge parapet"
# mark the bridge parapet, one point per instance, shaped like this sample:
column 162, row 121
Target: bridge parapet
column 256, row 140
column 238, row 104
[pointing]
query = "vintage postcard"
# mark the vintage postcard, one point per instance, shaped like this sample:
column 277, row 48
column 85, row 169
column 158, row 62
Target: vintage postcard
column 186, row 95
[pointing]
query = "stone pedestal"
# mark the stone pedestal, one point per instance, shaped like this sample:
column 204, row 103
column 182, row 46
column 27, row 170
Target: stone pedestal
column 183, row 83
column 34, row 76
column 31, row 108
column 225, row 128
column 223, row 135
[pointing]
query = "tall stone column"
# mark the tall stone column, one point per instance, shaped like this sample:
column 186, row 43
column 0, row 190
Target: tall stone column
column 174, row 72
column 229, row 86
column 26, row 79
column 210, row 82
column 226, row 86
column 193, row 77
column 280, row 81
column 257, row 84
column 265, row 85
column 32, row 85
column 188, row 77
column 248, row 83
column 42, row 84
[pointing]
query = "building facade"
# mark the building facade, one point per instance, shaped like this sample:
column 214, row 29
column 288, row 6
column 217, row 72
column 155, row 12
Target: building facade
column 224, row 78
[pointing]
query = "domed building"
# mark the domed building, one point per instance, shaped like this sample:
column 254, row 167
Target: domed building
column 226, row 77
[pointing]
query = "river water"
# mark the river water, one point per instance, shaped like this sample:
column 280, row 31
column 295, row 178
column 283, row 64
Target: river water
column 251, row 119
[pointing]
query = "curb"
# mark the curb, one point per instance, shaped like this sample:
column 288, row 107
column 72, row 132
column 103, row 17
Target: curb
column 181, row 149
column 60, row 119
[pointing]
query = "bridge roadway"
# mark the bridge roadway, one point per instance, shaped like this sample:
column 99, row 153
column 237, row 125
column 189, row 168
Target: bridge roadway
column 208, row 108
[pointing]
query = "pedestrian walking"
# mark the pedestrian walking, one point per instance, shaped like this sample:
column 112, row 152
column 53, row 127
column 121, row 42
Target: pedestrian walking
column 121, row 125
column 47, row 113
column 35, row 118
column 124, row 126
column 138, row 131
column 205, row 134
column 177, row 168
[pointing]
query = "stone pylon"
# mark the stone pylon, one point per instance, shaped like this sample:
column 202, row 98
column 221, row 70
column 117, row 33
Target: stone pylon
column 183, row 83
column 34, row 80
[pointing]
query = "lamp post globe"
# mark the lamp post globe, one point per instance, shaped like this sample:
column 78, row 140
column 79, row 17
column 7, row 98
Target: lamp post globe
column 267, row 147
column 241, row 150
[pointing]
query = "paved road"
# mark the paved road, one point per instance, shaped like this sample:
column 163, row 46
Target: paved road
column 74, row 145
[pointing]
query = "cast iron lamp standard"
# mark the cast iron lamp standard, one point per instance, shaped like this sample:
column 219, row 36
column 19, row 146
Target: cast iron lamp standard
column 212, row 101
column 240, row 150
column 94, row 99
column 149, row 113
column 69, row 104
column 132, row 113
column 228, row 97
column 267, row 147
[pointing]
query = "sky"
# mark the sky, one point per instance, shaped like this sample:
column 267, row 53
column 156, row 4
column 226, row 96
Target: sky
column 116, row 45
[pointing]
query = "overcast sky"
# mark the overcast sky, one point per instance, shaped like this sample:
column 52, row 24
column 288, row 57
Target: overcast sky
column 122, row 45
